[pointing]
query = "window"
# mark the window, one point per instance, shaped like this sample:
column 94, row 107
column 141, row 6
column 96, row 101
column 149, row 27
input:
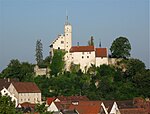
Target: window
column 28, row 99
column 89, row 52
column 72, row 57
column 62, row 42
column 82, row 57
column 58, row 47
column 83, row 53
column 87, row 56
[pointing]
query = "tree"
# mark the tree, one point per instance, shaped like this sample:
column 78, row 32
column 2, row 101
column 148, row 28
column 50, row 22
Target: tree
column 7, row 106
column 120, row 48
column 42, row 109
column 91, row 41
column 39, row 53
column 58, row 62
column 15, row 69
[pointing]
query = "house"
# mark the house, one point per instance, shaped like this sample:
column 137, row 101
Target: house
column 25, row 92
column 62, row 103
column 89, row 107
column 84, row 56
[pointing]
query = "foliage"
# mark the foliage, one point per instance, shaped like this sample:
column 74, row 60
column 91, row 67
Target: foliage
column 58, row 63
column 42, row 109
column 22, row 71
column 7, row 106
column 39, row 53
column 91, row 41
column 74, row 68
column 120, row 48
column 45, row 63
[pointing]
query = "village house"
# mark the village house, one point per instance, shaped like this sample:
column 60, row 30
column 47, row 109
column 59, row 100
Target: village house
column 25, row 92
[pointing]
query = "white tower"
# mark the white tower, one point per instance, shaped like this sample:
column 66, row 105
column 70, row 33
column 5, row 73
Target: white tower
column 68, row 36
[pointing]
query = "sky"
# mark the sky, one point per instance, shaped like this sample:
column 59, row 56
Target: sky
column 23, row 22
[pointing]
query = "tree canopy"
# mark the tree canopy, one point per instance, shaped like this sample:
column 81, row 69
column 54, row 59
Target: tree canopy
column 58, row 63
column 120, row 48
column 39, row 52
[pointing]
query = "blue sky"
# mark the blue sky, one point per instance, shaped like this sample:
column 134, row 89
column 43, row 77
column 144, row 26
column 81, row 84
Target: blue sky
column 22, row 22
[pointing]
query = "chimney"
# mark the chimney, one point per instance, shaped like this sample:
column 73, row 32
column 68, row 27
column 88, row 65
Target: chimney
column 77, row 43
column 8, row 79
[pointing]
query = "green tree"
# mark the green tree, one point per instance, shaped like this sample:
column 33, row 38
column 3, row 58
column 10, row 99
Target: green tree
column 91, row 41
column 15, row 69
column 39, row 52
column 42, row 109
column 134, row 66
column 120, row 48
column 7, row 106
column 58, row 63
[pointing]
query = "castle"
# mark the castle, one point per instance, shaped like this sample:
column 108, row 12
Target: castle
column 84, row 56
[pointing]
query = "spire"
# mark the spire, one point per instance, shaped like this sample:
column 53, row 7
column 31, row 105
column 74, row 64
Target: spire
column 100, row 44
column 66, row 18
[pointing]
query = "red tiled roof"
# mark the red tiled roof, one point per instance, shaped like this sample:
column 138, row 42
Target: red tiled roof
column 87, row 107
column 27, row 104
column 72, row 98
column 50, row 100
column 6, row 82
column 26, row 87
column 101, row 52
column 133, row 111
column 82, row 48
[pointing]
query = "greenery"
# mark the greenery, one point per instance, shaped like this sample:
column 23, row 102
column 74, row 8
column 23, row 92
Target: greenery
column 39, row 52
column 7, row 106
column 57, row 64
column 42, row 109
column 120, row 48
column 127, row 79
column 21, row 71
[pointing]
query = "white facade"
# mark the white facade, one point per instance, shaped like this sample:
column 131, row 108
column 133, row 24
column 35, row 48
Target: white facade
column 115, row 109
column 52, row 108
column 85, row 59
column 25, row 97
column 101, row 61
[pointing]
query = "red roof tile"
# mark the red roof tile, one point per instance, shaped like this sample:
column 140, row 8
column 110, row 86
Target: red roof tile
column 26, row 87
column 87, row 107
column 133, row 111
column 6, row 82
column 101, row 52
column 82, row 48
column 50, row 100
column 72, row 98
column 27, row 104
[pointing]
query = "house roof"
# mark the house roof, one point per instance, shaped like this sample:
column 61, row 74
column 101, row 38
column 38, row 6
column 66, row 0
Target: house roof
column 50, row 100
column 27, row 104
column 26, row 87
column 101, row 52
column 5, row 83
column 87, row 107
column 133, row 111
column 72, row 98
column 82, row 48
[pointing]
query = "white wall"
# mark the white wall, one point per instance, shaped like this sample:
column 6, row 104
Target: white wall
column 101, row 61
column 85, row 59
column 25, row 97
column 52, row 107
